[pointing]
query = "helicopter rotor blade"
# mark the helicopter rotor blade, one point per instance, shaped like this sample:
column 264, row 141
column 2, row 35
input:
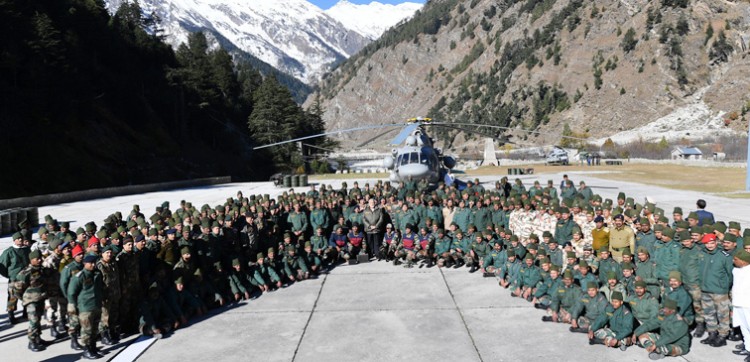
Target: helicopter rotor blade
column 511, row 129
column 330, row 133
column 462, row 129
column 406, row 132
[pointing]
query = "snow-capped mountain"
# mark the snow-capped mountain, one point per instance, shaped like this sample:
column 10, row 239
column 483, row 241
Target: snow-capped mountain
column 294, row 36
column 373, row 19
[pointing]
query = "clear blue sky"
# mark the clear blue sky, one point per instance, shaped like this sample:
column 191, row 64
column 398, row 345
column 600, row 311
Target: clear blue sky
column 325, row 4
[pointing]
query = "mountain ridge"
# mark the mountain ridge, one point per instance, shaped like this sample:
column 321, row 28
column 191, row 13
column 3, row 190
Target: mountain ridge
column 538, row 65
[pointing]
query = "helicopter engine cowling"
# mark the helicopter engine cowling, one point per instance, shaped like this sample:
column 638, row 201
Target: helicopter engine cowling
column 388, row 162
column 449, row 162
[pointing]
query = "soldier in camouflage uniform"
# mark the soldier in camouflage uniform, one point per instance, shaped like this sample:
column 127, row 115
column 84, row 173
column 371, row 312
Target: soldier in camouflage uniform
column 31, row 283
column 55, row 298
column 128, row 265
column 109, row 326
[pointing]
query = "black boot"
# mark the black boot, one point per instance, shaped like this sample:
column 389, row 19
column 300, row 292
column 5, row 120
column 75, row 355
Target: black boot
column 115, row 333
column 74, row 342
column 61, row 329
column 595, row 340
column 89, row 354
column 539, row 306
column 547, row 318
column 106, row 340
column 700, row 329
column 42, row 342
column 579, row 330
column 12, row 317
column 53, row 332
column 25, row 315
column 711, row 338
column 735, row 335
column 473, row 268
column 720, row 341
column 35, row 347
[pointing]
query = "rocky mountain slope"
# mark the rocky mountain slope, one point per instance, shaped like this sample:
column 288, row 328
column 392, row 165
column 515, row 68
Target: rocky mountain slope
column 294, row 36
column 601, row 67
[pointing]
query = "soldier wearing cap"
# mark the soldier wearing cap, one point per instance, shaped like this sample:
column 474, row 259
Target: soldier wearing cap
column 85, row 292
column 645, row 236
column 606, row 265
column 31, row 283
column 716, row 281
column 407, row 247
column 55, row 297
column 614, row 327
column 109, row 327
column 509, row 269
column 12, row 261
column 294, row 267
column 528, row 277
column 612, row 285
column 548, row 287
column 563, row 300
column 673, row 338
column 643, row 305
column 677, row 292
column 593, row 303
column 645, row 270
column 128, row 264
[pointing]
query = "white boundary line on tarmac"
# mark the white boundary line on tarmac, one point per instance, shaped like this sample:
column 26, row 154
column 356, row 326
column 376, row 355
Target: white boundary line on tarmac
column 134, row 350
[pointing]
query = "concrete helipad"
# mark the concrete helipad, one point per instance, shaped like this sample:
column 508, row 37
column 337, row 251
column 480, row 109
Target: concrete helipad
column 370, row 312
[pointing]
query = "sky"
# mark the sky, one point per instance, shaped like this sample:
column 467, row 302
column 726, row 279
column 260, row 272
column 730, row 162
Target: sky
column 326, row 4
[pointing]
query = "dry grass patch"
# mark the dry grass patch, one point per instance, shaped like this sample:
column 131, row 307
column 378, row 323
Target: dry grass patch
column 680, row 177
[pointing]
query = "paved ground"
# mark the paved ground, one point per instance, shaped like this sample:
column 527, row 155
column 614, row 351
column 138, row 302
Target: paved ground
column 372, row 311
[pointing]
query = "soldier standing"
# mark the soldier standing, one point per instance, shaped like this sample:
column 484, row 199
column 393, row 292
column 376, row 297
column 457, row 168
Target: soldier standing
column 110, row 323
column 55, row 297
column 67, row 274
column 12, row 261
column 85, row 292
column 30, row 283
column 129, row 267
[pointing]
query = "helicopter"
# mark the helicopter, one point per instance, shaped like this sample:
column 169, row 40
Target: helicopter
column 417, row 159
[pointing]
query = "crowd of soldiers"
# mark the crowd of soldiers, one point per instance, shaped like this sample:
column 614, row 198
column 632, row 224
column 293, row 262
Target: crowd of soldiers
column 617, row 270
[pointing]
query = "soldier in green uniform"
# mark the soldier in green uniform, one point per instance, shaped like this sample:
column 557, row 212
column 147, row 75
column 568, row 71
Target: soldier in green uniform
column 614, row 327
column 110, row 321
column 673, row 338
column 85, row 291
column 547, row 288
column 508, row 271
column 441, row 248
column 645, row 270
column 643, row 305
column 294, row 267
column 666, row 255
column 564, row 300
column 493, row 261
column 606, row 265
column 266, row 275
column 593, row 303
column 677, row 292
column 477, row 252
column 30, row 283
column 613, row 285
column 66, row 276
column 716, row 282
column 297, row 221
column 12, row 261
column 528, row 278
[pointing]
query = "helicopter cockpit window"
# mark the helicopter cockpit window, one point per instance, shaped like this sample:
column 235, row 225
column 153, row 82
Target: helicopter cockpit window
column 424, row 159
column 414, row 157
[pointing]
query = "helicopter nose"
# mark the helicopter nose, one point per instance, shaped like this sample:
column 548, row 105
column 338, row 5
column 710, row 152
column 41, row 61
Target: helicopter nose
column 413, row 170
